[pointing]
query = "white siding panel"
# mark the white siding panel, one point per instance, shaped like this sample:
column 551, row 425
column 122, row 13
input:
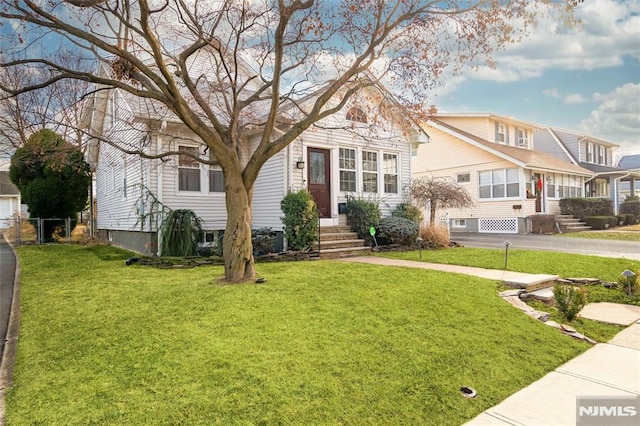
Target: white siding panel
column 269, row 190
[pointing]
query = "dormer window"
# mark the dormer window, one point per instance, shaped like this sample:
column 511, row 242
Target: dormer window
column 502, row 134
column 356, row 114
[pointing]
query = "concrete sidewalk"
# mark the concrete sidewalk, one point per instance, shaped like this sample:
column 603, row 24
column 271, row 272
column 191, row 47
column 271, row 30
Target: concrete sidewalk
column 606, row 370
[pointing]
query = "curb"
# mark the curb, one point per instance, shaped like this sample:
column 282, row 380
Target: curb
column 11, row 342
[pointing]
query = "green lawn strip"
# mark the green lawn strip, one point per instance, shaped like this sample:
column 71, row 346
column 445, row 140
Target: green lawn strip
column 565, row 265
column 609, row 235
column 597, row 331
column 322, row 342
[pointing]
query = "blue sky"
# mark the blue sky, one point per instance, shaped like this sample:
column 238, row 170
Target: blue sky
column 583, row 79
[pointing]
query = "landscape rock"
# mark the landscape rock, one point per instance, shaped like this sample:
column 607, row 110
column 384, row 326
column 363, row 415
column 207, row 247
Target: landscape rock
column 584, row 281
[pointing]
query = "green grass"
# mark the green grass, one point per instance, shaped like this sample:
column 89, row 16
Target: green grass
column 321, row 343
column 565, row 265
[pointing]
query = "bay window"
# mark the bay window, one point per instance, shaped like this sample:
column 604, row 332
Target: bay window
column 369, row 171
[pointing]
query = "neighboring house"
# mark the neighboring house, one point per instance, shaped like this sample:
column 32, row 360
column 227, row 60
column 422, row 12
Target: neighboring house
column 590, row 153
column 630, row 163
column 492, row 157
column 9, row 197
column 342, row 156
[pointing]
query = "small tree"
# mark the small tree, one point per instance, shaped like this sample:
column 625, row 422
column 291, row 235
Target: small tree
column 441, row 192
column 52, row 176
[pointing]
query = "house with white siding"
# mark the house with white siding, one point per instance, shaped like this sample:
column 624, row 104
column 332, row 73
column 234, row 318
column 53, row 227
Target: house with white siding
column 342, row 155
column 591, row 153
column 9, row 196
column 492, row 156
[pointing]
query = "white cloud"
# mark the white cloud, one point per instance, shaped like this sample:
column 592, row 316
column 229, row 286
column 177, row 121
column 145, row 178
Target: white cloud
column 617, row 118
column 575, row 98
column 552, row 93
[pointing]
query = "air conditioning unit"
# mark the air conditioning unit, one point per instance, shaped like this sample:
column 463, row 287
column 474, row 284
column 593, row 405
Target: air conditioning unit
column 522, row 142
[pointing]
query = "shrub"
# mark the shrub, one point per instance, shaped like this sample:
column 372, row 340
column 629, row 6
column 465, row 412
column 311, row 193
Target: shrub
column 435, row 235
column 569, row 299
column 362, row 215
column 629, row 287
column 613, row 221
column 181, row 231
column 629, row 219
column 631, row 207
column 300, row 219
column 407, row 211
column 397, row 230
column 263, row 240
column 597, row 222
column 584, row 207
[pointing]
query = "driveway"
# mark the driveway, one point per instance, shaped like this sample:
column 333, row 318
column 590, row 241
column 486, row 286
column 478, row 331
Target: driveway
column 604, row 248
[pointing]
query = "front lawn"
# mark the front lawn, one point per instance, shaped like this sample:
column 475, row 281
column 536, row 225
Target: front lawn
column 321, row 342
column 565, row 265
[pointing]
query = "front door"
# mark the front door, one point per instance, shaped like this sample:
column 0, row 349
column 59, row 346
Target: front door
column 319, row 179
column 539, row 186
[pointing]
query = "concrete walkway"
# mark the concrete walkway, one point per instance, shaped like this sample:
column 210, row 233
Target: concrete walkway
column 606, row 370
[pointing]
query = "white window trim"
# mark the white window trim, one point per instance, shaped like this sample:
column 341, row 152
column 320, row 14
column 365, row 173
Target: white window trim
column 204, row 175
column 506, row 182
column 463, row 174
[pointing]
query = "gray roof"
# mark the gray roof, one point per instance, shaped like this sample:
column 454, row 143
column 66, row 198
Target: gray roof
column 6, row 186
column 630, row 162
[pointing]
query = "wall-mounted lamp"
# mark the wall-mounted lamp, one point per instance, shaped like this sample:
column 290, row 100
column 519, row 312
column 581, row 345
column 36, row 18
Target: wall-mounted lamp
column 549, row 179
column 299, row 164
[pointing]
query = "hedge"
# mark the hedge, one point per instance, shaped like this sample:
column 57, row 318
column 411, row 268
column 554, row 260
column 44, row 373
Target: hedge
column 585, row 207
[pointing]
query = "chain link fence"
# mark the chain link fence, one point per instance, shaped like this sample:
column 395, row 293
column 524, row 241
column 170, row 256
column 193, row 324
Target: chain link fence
column 22, row 231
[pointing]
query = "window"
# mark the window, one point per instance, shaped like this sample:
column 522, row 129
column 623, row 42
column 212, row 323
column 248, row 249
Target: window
column 459, row 223
column 369, row 171
column 501, row 183
column 390, row 168
column 347, row 167
column 216, row 178
column 356, row 114
column 502, row 135
column 569, row 186
column 589, row 152
column 463, row 177
column 188, row 169
column 551, row 186
column 521, row 137
column 602, row 156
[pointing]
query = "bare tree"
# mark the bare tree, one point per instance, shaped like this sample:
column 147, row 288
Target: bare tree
column 57, row 106
column 265, row 57
column 438, row 192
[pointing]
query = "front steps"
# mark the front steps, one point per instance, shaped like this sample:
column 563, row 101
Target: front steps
column 339, row 241
column 567, row 223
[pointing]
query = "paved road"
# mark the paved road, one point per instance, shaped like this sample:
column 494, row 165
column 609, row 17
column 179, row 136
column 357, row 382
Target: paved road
column 7, row 273
column 604, row 248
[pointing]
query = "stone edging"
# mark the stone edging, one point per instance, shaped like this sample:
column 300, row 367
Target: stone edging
column 513, row 297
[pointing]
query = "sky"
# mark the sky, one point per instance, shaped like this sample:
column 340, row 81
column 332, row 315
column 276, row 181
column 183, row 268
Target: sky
column 585, row 79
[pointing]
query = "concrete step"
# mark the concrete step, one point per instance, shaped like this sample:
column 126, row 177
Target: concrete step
column 334, row 236
column 343, row 252
column 331, row 244
column 533, row 282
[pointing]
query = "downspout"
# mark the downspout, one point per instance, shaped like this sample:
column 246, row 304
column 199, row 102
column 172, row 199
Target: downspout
column 616, row 183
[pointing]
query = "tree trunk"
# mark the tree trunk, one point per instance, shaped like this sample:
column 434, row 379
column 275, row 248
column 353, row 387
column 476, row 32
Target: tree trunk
column 432, row 213
column 237, row 249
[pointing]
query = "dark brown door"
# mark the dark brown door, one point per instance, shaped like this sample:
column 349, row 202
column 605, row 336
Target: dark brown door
column 319, row 179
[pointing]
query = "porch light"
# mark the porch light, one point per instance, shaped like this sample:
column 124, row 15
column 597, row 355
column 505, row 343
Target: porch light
column 299, row 164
